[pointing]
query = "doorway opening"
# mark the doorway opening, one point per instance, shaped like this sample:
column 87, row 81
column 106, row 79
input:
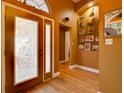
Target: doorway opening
column 64, row 44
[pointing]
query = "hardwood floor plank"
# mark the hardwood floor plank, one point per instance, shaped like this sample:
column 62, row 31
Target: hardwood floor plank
column 69, row 81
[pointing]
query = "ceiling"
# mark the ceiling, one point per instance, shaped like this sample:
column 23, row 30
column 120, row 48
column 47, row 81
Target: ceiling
column 76, row 1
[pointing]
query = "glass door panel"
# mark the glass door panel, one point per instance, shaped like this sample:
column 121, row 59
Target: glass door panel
column 48, row 48
column 26, row 61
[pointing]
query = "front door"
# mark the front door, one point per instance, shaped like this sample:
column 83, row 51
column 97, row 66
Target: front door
column 23, row 50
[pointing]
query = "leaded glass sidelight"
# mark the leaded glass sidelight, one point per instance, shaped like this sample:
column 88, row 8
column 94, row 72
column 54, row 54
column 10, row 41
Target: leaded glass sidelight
column 26, row 45
column 48, row 48
column 38, row 4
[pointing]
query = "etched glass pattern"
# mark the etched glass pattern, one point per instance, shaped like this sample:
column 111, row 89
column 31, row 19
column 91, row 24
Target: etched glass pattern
column 48, row 48
column 26, row 62
column 38, row 4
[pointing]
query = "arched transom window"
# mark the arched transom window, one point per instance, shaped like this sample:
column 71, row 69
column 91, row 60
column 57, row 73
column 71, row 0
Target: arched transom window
column 38, row 4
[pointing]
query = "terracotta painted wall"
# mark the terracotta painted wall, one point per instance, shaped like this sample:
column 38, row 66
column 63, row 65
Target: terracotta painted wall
column 88, row 58
column 110, row 57
column 61, row 9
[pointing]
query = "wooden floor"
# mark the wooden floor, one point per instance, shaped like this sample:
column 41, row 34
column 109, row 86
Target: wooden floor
column 70, row 81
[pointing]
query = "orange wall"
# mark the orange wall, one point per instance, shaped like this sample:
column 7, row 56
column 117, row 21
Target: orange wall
column 88, row 59
column 110, row 57
column 61, row 9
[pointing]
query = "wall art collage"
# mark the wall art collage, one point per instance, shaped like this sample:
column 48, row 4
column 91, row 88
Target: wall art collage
column 88, row 35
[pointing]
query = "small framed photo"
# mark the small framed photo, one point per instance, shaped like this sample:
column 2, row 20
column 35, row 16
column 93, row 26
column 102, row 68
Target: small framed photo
column 95, row 47
column 90, row 38
column 90, row 30
column 87, row 46
column 80, row 47
column 97, row 39
column 81, row 39
column 81, row 31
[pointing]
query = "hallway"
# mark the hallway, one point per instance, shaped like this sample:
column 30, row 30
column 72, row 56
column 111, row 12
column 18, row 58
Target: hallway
column 69, row 81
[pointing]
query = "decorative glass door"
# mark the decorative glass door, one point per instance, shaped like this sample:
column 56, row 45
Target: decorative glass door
column 24, row 50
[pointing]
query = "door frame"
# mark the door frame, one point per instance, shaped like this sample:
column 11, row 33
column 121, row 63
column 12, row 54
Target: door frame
column 69, row 30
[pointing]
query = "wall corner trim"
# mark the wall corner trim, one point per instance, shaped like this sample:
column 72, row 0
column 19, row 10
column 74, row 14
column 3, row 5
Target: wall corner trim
column 56, row 74
column 72, row 66
column 96, row 71
column 63, row 61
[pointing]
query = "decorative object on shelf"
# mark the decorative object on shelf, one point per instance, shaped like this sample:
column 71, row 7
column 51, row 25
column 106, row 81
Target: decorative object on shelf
column 90, row 29
column 92, row 13
column 92, row 26
column 80, row 47
column 95, row 47
column 82, row 31
column 81, row 39
column 81, row 27
column 90, row 38
column 97, row 39
column 113, row 23
column 87, row 46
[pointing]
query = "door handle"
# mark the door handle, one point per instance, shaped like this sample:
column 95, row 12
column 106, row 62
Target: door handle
column 40, row 52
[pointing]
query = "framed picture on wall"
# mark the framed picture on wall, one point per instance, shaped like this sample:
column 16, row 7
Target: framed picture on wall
column 113, row 23
column 82, row 31
column 95, row 47
column 90, row 30
column 97, row 39
column 87, row 46
column 92, row 26
column 90, row 38
column 81, row 39
column 80, row 47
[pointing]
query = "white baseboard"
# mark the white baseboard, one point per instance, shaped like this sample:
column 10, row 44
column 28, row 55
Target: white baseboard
column 99, row 92
column 85, row 68
column 72, row 66
column 63, row 61
column 56, row 74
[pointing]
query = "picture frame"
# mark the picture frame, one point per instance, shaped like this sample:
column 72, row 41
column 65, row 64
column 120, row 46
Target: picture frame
column 87, row 46
column 95, row 47
column 80, row 47
column 90, row 38
column 90, row 30
column 81, row 31
column 81, row 39
column 92, row 26
column 113, row 23
column 97, row 39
